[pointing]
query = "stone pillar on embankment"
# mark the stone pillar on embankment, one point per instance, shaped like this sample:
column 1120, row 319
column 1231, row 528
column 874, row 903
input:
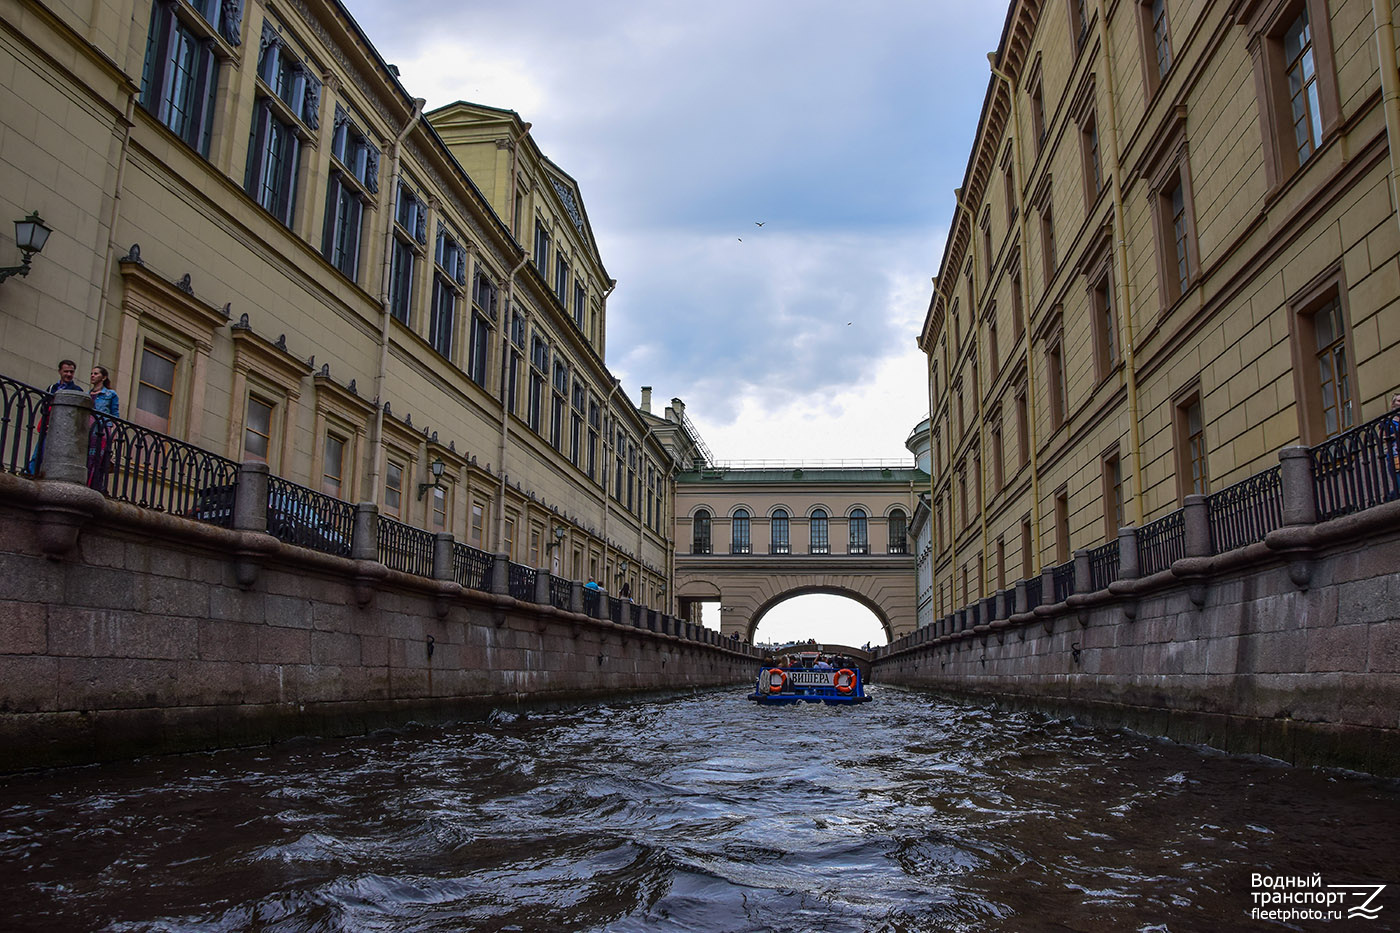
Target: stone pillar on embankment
column 128, row 631
column 1288, row 647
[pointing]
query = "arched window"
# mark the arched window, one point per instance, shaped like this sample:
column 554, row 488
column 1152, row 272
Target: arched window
column 820, row 543
column 778, row 533
column 739, row 542
column 860, row 532
column 899, row 532
column 700, row 533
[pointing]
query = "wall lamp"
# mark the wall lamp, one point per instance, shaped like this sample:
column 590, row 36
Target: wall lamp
column 31, row 234
column 559, row 531
column 622, row 569
column 436, row 468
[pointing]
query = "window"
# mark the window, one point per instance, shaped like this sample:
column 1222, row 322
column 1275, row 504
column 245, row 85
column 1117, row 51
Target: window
column 1027, row 549
column 1093, row 167
column 998, row 475
column 1156, row 43
column 1079, row 24
column 1105, row 326
column 561, row 279
column 1291, row 44
column 558, row 404
column 517, row 347
column 817, row 526
column 700, row 533
column 354, row 177
column 993, row 353
column 1113, row 518
column 1008, row 187
column 580, row 301
column 1190, row 447
column 576, row 415
column 155, row 389
column 449, row 278
column 539, row 366
column 858, row 526
column 510, row 540
column 541, row 248
column 898, row 532
column 1023, row 423
column 478, row 525
column 439, row 509
column 1037, row 96
column 393, row 488
column 1324, row 380
column 1047, row 243
column 1055, row 371
column 180, row 79
column 333, row 469
column 1001, row 563
column 483, row 316
column 410, row 228
column 594, row 422
column 778, row 533
column 286, row 112
column 740, row 542
column 1168, row 175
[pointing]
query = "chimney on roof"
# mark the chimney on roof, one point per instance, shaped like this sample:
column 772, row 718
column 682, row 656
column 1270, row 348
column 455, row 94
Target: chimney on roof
column 679, row 407
column 646, row 399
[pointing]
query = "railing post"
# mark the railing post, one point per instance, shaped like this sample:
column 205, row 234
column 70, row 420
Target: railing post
column 576, row 597
column 1047, row 586
column 1196, row 519
column 542, row 594
column 364, row 538
column 1083, row 574
column 442, row 556
column 250, row 500
column 500, row 574
column 1128, row 566
column 988, row 610
column 1023, row 598
column 66, row 438
column 1296, row 479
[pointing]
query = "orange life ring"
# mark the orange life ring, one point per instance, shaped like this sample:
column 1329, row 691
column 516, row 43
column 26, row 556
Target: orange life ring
column 777, row 680
column 845, row 680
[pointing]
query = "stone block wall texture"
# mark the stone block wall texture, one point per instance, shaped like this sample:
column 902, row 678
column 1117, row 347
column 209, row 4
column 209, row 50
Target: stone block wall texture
column 140, row 641
column 1309, row 674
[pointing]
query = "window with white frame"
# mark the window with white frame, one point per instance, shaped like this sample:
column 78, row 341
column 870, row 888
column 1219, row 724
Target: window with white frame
column 449, row 280
column 354, row 179
column 180, row 79
column 286, row 113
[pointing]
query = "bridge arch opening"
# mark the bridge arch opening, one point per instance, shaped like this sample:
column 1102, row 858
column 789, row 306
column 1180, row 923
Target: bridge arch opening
column 828, row 616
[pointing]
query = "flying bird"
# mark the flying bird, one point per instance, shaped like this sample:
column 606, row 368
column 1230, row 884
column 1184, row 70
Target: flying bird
column 758, row 222
column 741, row 239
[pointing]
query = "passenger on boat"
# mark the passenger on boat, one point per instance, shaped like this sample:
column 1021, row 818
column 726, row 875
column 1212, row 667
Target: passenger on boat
column 822, row 664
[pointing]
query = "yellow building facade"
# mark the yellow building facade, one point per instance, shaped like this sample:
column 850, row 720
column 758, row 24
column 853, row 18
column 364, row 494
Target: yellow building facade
column 279, row 257
column 1174, row 252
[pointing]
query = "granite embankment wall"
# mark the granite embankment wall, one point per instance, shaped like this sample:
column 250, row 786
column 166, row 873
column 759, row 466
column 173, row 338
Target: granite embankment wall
column 125, row 631
column 1288, row 648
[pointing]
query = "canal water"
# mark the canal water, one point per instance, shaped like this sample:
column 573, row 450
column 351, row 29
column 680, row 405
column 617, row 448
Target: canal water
column 910, row 813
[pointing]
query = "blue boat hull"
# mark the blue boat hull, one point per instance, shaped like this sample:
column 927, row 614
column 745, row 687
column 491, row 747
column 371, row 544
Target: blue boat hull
column 784, row 686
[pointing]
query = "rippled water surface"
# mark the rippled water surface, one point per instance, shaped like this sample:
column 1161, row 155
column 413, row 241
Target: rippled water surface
column 907, row 814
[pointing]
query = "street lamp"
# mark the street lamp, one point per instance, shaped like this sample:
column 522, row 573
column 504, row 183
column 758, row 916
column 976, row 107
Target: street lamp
column 31, row 234
column 436, row 468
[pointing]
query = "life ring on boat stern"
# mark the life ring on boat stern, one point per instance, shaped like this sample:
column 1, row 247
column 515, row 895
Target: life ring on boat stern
column 777, row 680
column 845, row 680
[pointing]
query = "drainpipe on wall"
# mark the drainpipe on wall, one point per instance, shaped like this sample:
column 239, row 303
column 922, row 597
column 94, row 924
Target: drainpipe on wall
column 507, row 323
column 1390, row 87
column 377, row 445
column 1120, row 273
column 113, row 217
column 1017, row 155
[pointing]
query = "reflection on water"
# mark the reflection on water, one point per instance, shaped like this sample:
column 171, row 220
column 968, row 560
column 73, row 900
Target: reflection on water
column 705, row 813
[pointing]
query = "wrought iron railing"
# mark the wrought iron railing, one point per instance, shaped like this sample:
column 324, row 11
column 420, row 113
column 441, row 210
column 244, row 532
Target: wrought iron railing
column 974, row 615
column 405, row 548
column 22, row 426
column 1034, row 591
column 1062, row 578
column 1358, row 469
column 1103, row 566
column 471, row 567
column 560, row 591
column 1244, row 513
column 1161, row 543
column 590, row 602
column 522, row 582
column 615, row 611
column 133, row 464
column 307, row 518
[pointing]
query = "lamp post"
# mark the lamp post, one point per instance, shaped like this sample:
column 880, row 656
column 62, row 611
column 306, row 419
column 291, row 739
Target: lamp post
column 436, row 468
column 31, row 234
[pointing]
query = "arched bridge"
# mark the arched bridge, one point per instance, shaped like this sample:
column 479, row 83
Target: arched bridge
column 751, row 537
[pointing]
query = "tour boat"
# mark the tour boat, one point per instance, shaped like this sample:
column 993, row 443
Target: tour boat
column 802, row 681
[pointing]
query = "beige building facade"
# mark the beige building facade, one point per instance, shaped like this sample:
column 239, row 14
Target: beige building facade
column 1174, row 252
column 280, row 257
column 751, row 538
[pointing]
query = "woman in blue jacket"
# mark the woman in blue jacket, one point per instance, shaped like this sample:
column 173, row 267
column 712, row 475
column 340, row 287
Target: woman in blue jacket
column 104, row 401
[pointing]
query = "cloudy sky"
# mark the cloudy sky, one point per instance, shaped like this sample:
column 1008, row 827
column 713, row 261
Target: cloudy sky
column 843, row 127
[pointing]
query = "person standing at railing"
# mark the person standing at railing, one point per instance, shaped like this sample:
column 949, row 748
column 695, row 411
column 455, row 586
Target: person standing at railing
column 104, row 401
column 1392, row 432
column 67, row 369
